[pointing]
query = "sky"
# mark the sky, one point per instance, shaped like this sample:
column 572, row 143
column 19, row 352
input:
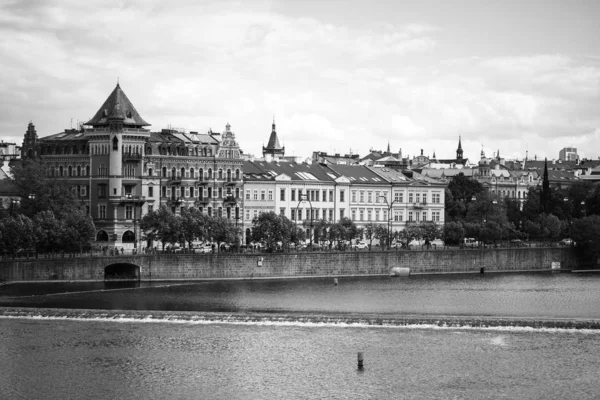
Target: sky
column 518, row 77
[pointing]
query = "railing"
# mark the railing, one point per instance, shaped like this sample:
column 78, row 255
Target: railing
column 132, row 157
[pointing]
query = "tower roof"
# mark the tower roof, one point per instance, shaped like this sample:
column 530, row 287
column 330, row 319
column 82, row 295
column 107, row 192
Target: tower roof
column 117, row 106
column 273, row 143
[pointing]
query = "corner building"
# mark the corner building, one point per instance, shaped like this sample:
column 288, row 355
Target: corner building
column 121, row 170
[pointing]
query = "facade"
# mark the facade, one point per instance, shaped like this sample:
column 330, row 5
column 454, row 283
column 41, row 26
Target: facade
column 568, row 154
column 121, row 170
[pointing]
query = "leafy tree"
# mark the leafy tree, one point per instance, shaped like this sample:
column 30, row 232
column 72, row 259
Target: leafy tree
column 459, row 194
column 430, row 230
column 18, row 233
column 550, row 226
column 453, row 233
column 369, row 231
column 161, row 225
column 381, row 233
column 348, row 229
column 222, row 230
column 79, row 230
column 586, row 234
column 269, row 228
column 410, row 233
column 49, row 231
column 40, row 192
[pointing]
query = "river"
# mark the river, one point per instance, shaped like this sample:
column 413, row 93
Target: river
column 450, row 336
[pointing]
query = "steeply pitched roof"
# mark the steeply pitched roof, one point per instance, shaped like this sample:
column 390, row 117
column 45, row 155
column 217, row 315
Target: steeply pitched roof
column 117, row 106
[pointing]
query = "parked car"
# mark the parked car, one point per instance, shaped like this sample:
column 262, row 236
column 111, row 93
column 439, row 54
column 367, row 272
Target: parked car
column 470, row 242
column 361, row 246
column 567, row 242
column 517, row 243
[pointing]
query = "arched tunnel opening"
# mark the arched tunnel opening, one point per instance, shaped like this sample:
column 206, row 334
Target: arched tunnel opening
column 122, row 272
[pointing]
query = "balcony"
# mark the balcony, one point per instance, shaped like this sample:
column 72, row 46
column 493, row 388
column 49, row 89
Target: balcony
column 231, row 182
column 133, row 200
column 203, row 201
column 174, row 181
column 229, row 199
column 201, row 182
column 174, row 201
column 420, row 205
column 132, row 157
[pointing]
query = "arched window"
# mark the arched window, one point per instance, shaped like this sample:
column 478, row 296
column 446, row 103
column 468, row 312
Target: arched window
column 229, row 175
column 220, row 173
column 148, row 150
column 128, row 237
column 237, row 174
column 209, row 173
column 182, row 173
column 173, row 173
column 87, row 170
column 79, row 170
column 61, row 171
column 201, row 174
column 192, row 173
column 115, row 143
column 102, row 236
column 164, row 172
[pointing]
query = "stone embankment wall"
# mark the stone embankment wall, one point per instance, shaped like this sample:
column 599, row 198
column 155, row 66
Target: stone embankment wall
column 247, row 266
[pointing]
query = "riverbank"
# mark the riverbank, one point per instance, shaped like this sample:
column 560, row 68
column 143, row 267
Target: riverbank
column 165, row 267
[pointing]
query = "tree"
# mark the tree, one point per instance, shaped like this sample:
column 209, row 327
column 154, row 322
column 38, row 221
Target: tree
column 453, row 233
column 223, row 230
column 269, row 228
column 381, row 234
column 410, row 233
column 586, row 234
column 348, row 229
column 40, row 192
column 79, row 230
column 459, row 194
column 550, row 226
column 161, row 225
column 369, row 230
column 18, row 233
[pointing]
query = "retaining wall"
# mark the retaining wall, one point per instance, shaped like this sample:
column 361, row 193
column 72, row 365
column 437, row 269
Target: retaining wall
column 240, row 266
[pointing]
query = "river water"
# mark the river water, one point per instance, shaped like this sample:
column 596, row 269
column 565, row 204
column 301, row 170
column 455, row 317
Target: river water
column 451, row 336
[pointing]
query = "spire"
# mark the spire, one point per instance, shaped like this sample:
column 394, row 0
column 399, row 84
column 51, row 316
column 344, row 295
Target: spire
column 498, row 154
column 117, row 106
column 388, row 148
column 459, row 151
column 273, row 147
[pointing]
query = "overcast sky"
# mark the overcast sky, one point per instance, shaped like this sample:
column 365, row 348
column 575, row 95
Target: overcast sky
column 339, row 76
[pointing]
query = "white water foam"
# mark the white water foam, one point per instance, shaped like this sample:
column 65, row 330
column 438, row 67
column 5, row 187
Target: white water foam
column 303, row 322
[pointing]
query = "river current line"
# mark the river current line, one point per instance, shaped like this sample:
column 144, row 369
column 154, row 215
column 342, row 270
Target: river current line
column 323, row 320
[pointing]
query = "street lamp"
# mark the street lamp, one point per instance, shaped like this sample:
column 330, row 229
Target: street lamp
column 304, row 198
column 14, row 203
column 389, row 221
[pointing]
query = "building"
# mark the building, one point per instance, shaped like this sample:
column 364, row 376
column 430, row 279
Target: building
column 120, row 170
column 568, row 154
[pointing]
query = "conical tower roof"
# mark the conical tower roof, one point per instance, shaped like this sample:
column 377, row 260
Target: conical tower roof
column 117, row 106
column 273, row 143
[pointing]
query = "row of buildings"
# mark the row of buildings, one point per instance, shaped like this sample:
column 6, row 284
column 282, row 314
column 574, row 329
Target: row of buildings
column 121, row 170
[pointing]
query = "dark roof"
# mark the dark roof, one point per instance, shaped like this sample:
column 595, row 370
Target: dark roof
column 296, row 171
column 117, row 106
column 358, row 174
column 66, row 136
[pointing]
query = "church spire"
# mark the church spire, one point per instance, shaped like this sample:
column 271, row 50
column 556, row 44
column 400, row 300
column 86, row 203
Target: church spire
column 273, row 148
column 459, row 151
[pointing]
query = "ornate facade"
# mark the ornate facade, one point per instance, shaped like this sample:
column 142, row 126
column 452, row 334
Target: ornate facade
column 121, row 170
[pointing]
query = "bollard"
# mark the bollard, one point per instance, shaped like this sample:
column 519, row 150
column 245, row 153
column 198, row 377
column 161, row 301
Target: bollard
column 481, row 270
column 360, row 360
column 335, row 281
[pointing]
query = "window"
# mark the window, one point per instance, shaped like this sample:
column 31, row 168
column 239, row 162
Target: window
column 418, row 197
column 424, row 216
column 83, row 190
column 398, row 216
column 398, row 197
column 377, row 199
column 316, row 195
column 369, row 212
column 324, row 195
column 300, row 195
column 282, row 212
column 209, row 193
column 102, row 212
column 353, row 196
column 270, row 195
column 435, row 216
column 102, row 191
column 247, row 215
column 410, row 216
column 376, row 215
column 362, row 214
column 342, row 213
column 410, row 197
column 128, row 212
column 331, row 214
column 255, row 194
column 354, row 214
column 316, row 216
column 330, row 195
column 362, row 196
column 247, row 194
column 435, row 197
column 150, row 191
column 263, row 194
column 150, row 208
column 220, row 193
column 341, row 196
column 293, row 194
column 299, row 214
column 369, row 197
column 293, row 215
column 282, row 195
